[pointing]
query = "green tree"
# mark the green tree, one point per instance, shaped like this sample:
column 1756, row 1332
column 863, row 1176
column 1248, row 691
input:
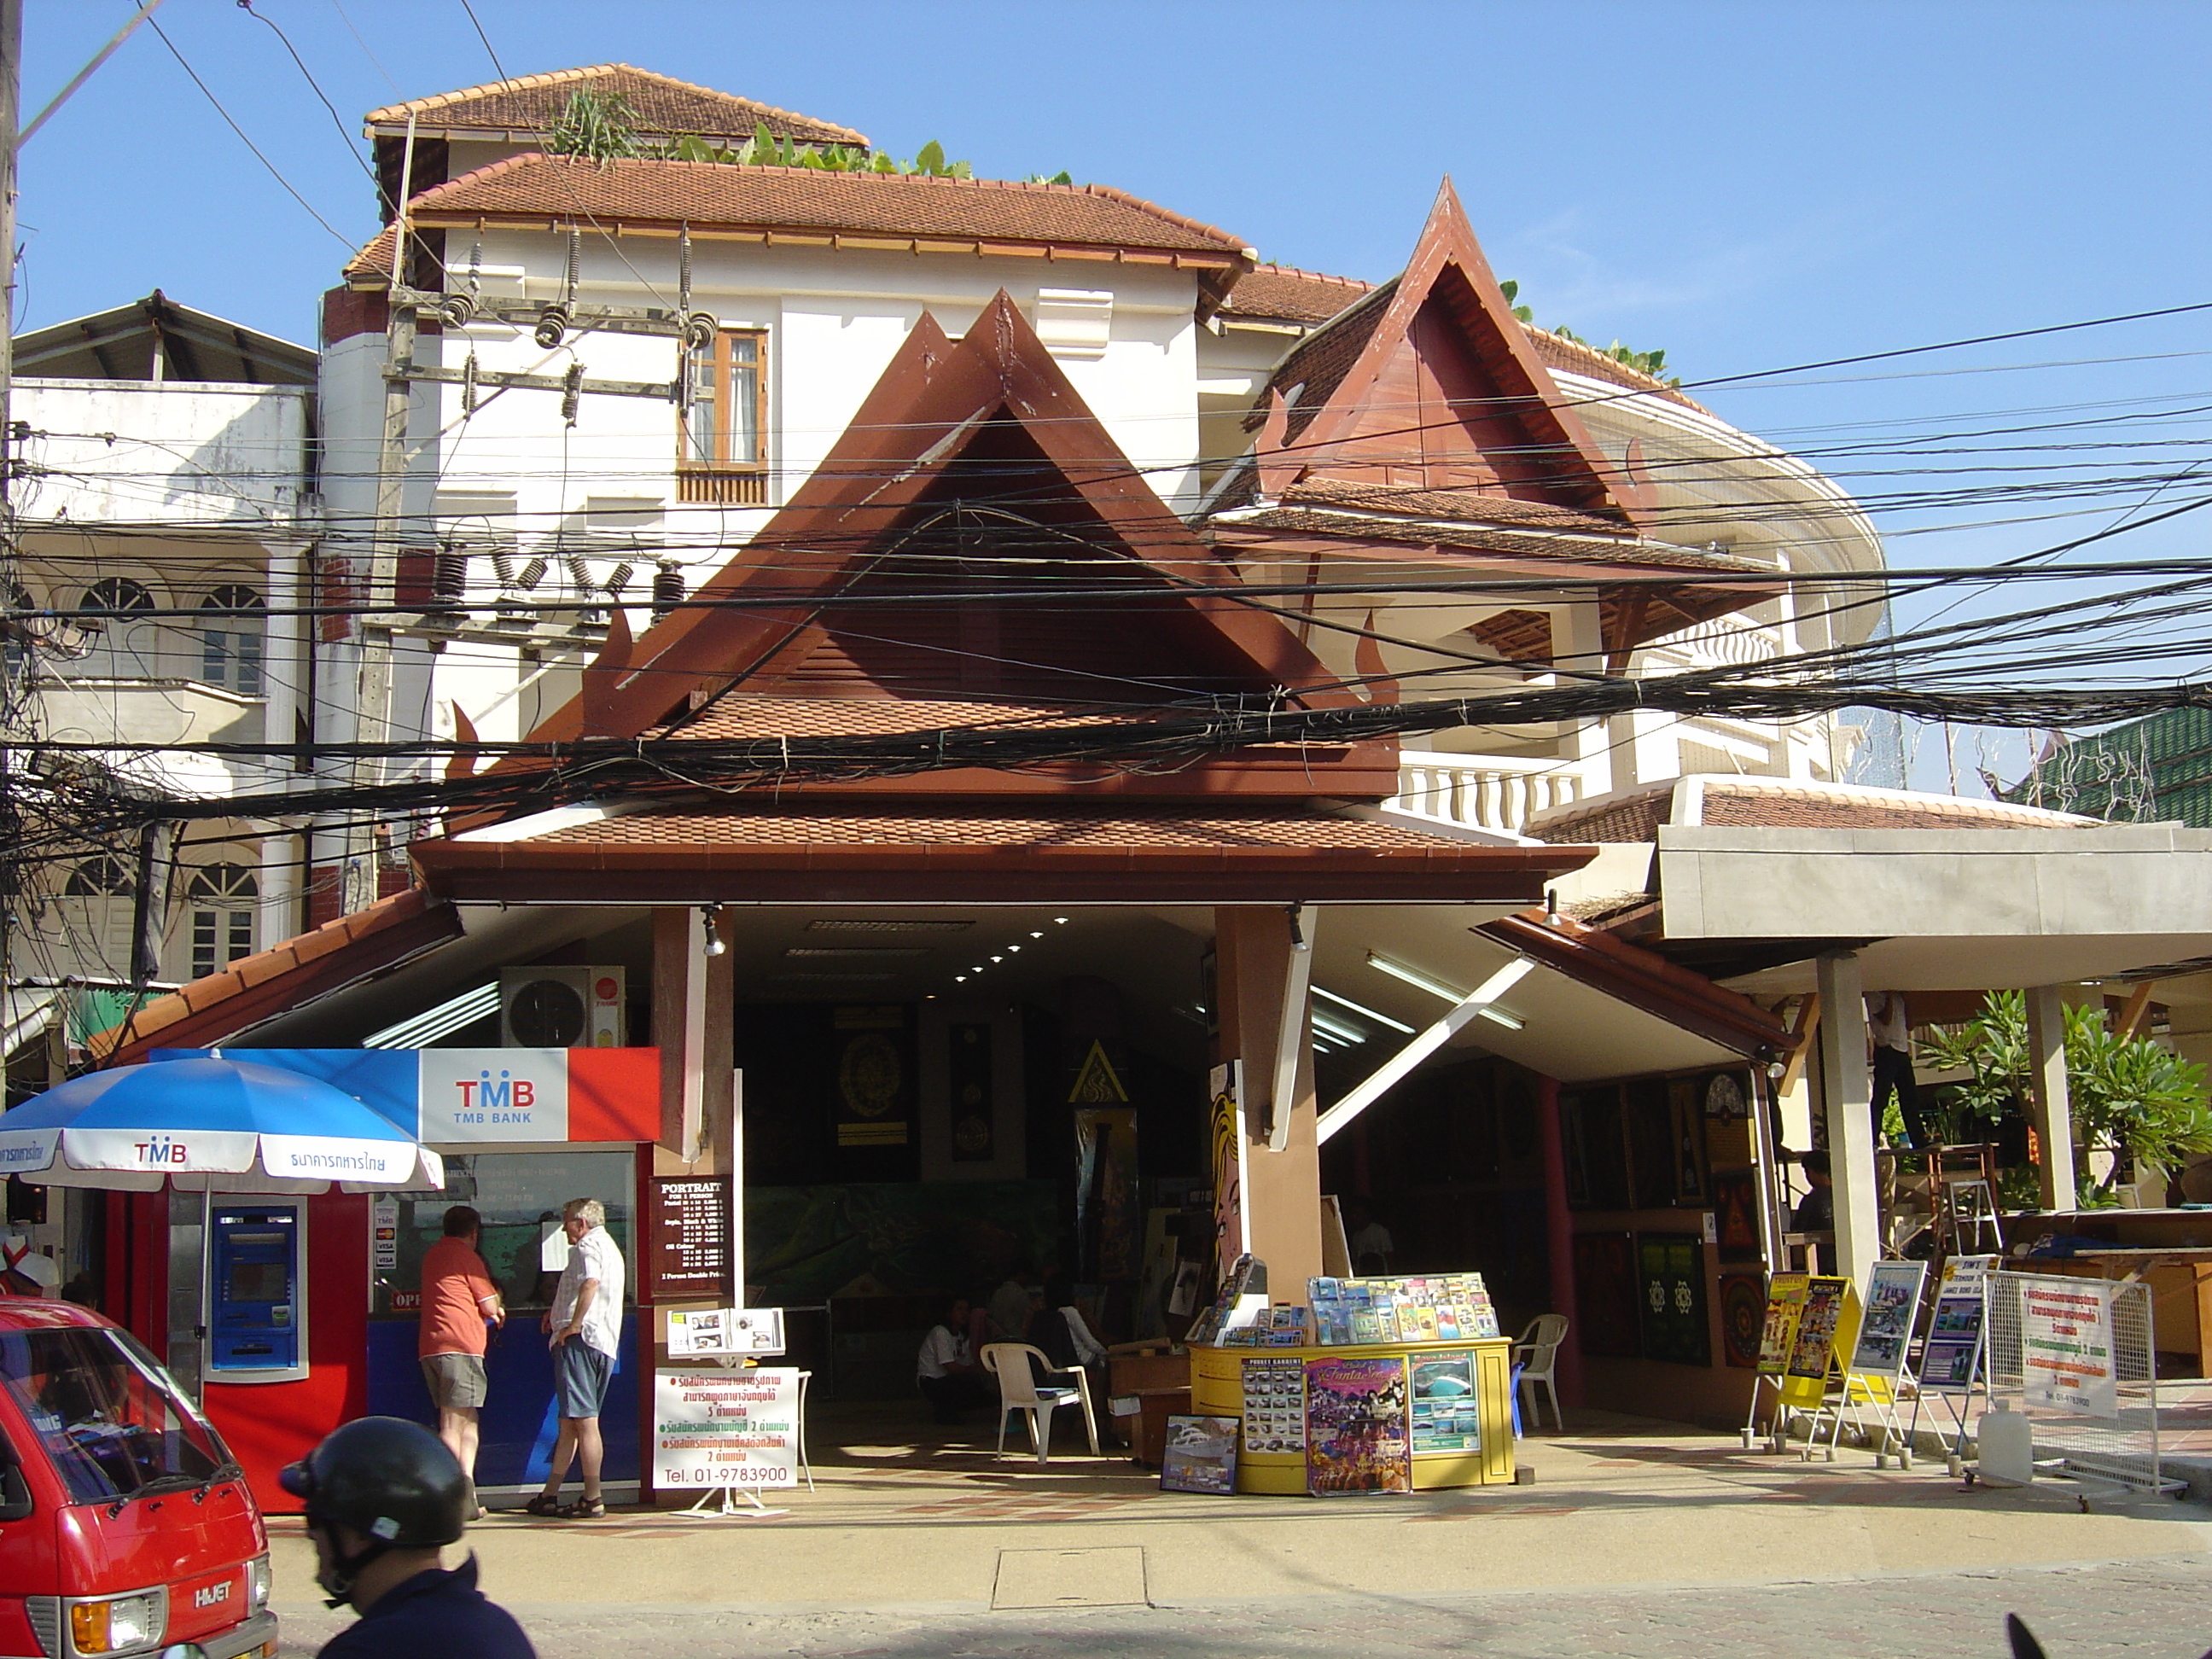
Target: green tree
column 2127, row 1096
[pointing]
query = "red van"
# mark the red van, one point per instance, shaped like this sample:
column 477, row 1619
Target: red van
column 125, row 1525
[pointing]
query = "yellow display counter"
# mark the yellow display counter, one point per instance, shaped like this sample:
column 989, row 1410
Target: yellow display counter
column 1216, row 1389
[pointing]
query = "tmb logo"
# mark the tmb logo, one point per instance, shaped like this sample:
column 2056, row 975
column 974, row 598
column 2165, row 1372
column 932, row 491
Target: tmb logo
column 160, row 1149
column 519, row 1093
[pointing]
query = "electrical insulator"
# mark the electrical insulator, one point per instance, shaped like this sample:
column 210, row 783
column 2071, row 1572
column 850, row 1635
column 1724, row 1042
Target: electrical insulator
column 579, row 571
column 667, row 588
column 552, row 327
column 502, row 565
column 449, row 577
column 618, row 578
column 530, row 574
column 572, row 385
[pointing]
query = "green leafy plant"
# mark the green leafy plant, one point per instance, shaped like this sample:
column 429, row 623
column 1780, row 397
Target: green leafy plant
column 597, row 125
column 2127, row 1096
column 602, row 127
column 1652, row 364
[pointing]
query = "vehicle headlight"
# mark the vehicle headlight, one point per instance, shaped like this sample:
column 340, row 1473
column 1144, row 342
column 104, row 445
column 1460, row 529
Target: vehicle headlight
column 117, row 1625
column 257, row 1583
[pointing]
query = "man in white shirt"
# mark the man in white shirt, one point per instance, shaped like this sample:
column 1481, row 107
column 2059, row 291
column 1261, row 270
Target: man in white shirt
column 586, row 1328
column 944, row 1370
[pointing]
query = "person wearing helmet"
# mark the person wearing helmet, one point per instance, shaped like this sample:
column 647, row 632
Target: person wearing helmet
column 382, row 1496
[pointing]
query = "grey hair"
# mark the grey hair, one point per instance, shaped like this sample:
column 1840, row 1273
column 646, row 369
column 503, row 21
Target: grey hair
column 589, row 1210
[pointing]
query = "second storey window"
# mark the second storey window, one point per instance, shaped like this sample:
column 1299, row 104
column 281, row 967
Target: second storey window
column 230, row 645
column 725, row 435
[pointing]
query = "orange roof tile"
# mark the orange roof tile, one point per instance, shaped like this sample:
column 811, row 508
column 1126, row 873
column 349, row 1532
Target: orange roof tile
column 1164, row 831
column 1286, row 294
column 659, row 104
column 904, row 209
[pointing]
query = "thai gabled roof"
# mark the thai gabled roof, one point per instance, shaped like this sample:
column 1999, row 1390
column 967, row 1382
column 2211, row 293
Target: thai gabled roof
column 660, row 105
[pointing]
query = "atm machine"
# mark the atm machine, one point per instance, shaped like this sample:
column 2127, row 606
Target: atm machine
column 257, row 1292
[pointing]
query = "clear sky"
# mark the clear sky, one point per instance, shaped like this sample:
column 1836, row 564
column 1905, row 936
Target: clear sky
column 1745, row 185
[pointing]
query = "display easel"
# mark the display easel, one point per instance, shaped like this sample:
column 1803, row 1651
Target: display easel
column 1785, row 1305
column 729, row 1510
column 1812, row 1384
column 1874, row 1377
column 1955, row 1359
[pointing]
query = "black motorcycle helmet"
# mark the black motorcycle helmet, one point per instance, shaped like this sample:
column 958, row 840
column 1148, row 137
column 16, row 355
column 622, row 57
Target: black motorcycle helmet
column 392, row 1481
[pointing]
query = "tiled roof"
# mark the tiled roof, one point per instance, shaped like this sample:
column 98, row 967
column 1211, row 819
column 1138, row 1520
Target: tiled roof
column 659, row 104
column 739, row 717
column 389, row 931
column 1286, row 294
column 1166, row 830
column 902, row 211
column 1411, row 501
column 1557, row 352
column 1782, row 803
column 1317, row 366
column 374, row 262
column 1478, row 537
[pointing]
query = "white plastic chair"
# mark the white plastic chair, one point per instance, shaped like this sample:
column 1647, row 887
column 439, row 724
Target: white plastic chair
column 1540, row 1344
column 1019, row 1392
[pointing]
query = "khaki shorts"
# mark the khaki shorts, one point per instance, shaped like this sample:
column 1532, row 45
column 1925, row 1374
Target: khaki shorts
column 456, row 1381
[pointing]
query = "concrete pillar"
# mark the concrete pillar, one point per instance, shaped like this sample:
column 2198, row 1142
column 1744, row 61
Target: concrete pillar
column 693, row 1018
column 1847, row 1087
column 1282, row 1189
column 2051, row 1107
column 1559, row 1240
column 1606, row 747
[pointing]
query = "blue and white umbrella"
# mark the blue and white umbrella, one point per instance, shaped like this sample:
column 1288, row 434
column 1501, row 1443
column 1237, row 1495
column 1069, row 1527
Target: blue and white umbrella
column 209, row 1124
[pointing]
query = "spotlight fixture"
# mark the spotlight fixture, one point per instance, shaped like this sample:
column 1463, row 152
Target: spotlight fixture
column 1414, row 977
column 1060, row 921
column 960, row 979
column 1363, row 1011
column 711, row 915
column 1036, row 933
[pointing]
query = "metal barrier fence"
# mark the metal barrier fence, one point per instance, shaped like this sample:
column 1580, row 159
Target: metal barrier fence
column 2077, row 1357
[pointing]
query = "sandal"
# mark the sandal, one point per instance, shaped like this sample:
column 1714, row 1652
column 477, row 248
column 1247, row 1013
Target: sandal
column 584, row 1509
column 542, row 1504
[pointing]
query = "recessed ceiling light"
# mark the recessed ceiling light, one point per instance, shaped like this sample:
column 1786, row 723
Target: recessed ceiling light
column 1013, row 947
column 960, row 979
column 1036, row 933
column 1062, row 920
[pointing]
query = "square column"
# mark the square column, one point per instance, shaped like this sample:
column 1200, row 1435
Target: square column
column 2051, row 1107
column 1846, row 1085
column 693, row 1028
column 1282, row 1189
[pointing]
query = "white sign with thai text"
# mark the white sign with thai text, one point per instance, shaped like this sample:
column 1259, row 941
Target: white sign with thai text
column 473, row 1095
column 725, row 1429
column 2066, row 1346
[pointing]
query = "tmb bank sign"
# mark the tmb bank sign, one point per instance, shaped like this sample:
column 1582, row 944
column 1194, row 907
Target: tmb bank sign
column 466, row 1097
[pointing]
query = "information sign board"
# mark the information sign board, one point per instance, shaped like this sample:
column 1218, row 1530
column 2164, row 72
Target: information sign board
column 688, row 1239
column 1785, row 1303
column 1893, row 1302
column 726, row 1428
column 2066, row 1346
column 697, row 1333
column 1948, row 1360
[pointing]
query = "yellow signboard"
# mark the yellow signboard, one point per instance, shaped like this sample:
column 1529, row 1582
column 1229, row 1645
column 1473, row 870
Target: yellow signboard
column 1827, row 1328
column 1785, row 1302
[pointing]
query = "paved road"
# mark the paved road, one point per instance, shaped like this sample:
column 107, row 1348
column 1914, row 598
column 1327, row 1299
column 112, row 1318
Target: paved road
column 2150, row 1609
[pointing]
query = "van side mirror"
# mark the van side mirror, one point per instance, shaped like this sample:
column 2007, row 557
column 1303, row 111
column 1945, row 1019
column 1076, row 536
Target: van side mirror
column 15, row 1490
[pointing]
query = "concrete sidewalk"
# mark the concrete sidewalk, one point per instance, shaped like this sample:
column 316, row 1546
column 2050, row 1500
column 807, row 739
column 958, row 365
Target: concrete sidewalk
column 912, row 1524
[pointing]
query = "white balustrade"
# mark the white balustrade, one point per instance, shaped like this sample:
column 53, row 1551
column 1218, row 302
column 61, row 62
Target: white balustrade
column 1483, row 792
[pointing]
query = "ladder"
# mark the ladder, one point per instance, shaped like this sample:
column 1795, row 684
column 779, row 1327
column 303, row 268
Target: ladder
column 1964, row 1198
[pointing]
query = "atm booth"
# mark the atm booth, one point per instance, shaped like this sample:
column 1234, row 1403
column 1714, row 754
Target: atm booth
column 311, row 1300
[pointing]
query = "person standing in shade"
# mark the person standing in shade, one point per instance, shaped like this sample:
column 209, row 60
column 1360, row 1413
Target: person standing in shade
column 459, row 1302
column 584, row 1325
column 1889, row 1040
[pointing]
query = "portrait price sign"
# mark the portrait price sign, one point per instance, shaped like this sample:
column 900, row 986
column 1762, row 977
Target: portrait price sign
column 688, row 1239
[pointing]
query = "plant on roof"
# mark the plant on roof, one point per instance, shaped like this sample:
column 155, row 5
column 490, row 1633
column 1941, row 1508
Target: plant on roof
column 2129, row 1096
column 1650, row 364
column 599, row 125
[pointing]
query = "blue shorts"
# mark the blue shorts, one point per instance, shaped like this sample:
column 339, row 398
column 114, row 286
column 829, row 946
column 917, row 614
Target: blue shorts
column 579, row 1378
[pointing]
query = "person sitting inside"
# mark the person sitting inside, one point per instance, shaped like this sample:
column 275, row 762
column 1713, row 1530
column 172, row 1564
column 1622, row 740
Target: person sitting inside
column 946, row 1369
column 1816, row 1211
column 1060, row 1332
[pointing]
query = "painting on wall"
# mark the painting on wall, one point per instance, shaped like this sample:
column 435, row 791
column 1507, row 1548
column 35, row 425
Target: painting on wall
column 1735, row 1214
column 1743, row 1319
column 1606, row 1295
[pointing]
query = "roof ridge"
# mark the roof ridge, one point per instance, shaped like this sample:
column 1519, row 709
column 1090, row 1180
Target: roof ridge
column 557, row 77
column 1274, row 269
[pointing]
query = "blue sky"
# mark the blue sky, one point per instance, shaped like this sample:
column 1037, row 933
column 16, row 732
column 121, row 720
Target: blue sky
column 1745, row 185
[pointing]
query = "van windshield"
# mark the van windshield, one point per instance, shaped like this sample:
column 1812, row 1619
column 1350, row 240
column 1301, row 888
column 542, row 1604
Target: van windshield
column 108, row 1417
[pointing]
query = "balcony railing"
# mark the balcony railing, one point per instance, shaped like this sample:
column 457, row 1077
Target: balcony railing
column 1483, row 792
column 704, row 488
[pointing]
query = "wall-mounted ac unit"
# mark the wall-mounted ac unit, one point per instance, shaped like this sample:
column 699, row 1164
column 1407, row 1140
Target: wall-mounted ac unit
column 560, row 1007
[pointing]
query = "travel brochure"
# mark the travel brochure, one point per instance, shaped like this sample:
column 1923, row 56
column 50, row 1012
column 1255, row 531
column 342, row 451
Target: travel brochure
column 1271, row 1328
column 1438, row 1308
column 1444, row 1404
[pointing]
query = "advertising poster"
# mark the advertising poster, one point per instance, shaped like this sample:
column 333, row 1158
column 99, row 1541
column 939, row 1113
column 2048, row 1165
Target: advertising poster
column 1816, row 1329
column 725, row 1429
column 1444, row 1404
column 1356, row 1427
column 1109, row 1217
column 1200, row 1456
column 1225, row 1134
column 2066, row 1346
column 1886, row 1325
column 1949, row 1359
column 1785, row 1305
column 1275, row 1404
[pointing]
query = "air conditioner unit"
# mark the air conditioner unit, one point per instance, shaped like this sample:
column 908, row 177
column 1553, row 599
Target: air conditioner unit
column 560, row 1007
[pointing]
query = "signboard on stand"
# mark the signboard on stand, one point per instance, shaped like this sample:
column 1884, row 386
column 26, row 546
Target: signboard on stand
column 737, row 1429
column 1826, row 1330
column 688, row 1256
column 1950, row 1361
column 712, row 1333
column 1885, row 1327
column 2066, row 1346
column 1785, row 1305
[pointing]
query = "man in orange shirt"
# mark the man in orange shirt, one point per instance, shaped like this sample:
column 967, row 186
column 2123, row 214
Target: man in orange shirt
column 459, row 1299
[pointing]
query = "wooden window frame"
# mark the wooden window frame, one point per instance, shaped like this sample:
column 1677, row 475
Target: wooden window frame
column 724, row 479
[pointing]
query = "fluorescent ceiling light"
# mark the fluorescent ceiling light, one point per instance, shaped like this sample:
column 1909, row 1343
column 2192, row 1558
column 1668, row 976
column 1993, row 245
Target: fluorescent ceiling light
column 1336, row 1028
column 1510, row 1022
column 421, row 1030
column 1363, row 1011
column 1415, row 977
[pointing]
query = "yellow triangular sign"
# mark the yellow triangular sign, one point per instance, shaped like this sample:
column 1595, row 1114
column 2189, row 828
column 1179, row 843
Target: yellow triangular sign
column 1096, row 1084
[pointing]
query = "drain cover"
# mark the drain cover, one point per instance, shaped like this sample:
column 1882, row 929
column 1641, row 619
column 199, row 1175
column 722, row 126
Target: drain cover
column 1070, row 1578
